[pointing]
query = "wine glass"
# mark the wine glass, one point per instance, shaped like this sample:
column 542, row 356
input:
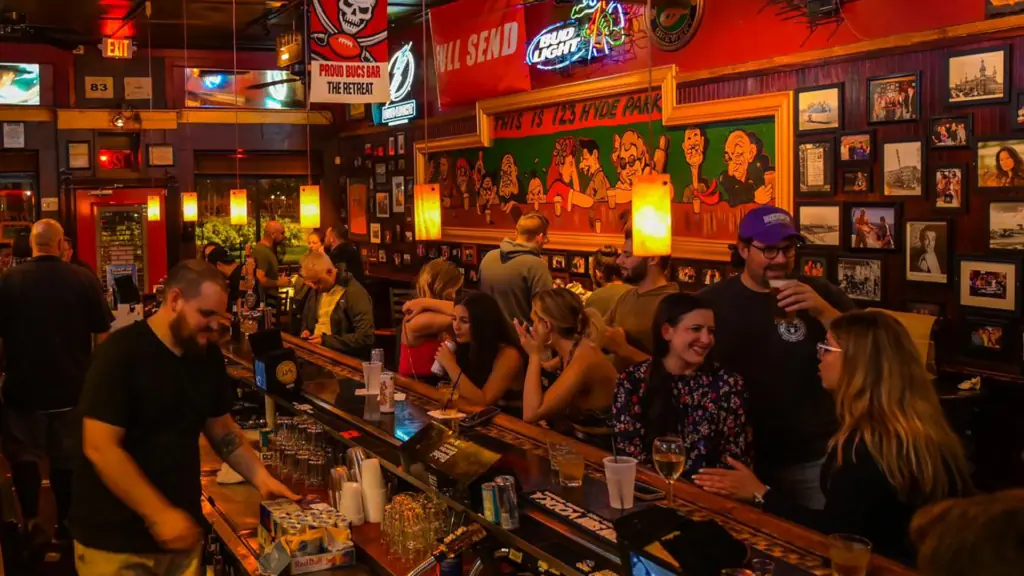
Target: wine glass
column 669, row 458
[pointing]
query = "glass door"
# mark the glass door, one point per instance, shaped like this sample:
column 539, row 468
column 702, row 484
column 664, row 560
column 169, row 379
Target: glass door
column 121, row 243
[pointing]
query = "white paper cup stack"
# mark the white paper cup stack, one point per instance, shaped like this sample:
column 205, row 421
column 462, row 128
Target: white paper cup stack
column 374, row 492
column 352, row 503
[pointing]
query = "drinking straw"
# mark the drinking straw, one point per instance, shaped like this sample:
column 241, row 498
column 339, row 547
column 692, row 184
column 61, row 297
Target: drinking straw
column 451, row 395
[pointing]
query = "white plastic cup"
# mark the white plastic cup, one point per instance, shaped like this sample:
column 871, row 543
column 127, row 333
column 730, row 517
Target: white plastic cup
column 620, row 474
column 352, row 503
column 371, row 377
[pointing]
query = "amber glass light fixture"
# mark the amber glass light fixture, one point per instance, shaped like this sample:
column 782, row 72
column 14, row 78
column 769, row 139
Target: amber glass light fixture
column 189, row 206
column 427, row 210
column 652, row 215
column 239, row 208
column 153, row 208
column 309, row 206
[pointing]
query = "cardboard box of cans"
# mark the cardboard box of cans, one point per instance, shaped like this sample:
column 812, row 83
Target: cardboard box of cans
column 308, row 536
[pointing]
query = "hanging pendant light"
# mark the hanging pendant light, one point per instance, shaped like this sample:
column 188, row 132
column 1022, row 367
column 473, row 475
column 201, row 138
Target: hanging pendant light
column 427, row 211
column 652, row 215
column 309, row 206
column 239, row 207
column 189, row 206
column 153, row 208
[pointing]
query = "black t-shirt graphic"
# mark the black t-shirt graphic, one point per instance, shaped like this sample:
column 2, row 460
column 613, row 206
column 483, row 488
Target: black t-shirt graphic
column 162, row 401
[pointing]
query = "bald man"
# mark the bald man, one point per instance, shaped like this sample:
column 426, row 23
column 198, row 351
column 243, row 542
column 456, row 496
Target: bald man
column 49, row 312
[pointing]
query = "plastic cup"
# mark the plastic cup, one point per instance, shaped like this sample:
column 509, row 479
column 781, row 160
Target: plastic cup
column 620, row 474
column 371, row 376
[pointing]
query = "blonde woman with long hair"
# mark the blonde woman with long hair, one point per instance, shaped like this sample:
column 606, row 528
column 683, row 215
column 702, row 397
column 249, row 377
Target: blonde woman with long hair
column 428, row 317
column 894, row 452
column 585, row 385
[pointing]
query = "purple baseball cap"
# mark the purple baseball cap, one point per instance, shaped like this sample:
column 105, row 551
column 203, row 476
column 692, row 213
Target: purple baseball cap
column 769, row 226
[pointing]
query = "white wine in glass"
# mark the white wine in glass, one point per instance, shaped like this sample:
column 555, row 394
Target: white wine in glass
column 669, row 456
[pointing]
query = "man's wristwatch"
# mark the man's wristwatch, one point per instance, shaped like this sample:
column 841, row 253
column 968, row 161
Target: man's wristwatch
column 759, row 496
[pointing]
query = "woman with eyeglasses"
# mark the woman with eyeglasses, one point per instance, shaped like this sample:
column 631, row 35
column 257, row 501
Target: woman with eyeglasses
column 893, row 453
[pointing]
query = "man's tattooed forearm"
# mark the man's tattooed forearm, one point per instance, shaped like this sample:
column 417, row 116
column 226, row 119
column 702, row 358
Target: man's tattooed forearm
column 228, row 443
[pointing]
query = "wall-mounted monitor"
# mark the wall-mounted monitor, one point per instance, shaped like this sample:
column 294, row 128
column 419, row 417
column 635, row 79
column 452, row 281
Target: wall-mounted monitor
column 267, row 89
column 19, row 84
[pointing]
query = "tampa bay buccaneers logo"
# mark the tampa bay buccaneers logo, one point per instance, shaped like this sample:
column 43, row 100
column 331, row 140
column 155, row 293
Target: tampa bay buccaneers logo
column 357, row 31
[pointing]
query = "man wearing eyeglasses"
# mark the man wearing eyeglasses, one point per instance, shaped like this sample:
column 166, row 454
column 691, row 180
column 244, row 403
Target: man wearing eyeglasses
column 793, row 416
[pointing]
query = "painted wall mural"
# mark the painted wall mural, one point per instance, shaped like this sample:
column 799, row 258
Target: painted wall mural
column 576, row 163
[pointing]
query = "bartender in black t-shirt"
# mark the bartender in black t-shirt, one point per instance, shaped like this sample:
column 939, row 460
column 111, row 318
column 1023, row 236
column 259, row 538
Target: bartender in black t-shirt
column 151, row 389
column 793, row 416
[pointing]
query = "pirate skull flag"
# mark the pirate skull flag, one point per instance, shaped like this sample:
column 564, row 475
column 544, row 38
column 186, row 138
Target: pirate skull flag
column 348, row 44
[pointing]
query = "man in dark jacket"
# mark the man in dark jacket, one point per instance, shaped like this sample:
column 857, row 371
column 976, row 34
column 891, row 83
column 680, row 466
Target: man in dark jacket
column 344, row 252
column 514, row 273
column 339, row 314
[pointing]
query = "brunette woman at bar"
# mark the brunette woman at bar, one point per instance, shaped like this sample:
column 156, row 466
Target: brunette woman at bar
column 679, row 392
column 486, row 362
column 607, row 277
column 582, row 392
column 315, row 241
column 894, row 452
column 438, row 283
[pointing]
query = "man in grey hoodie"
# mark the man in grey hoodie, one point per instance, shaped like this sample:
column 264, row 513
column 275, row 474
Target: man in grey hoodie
column 514, row 273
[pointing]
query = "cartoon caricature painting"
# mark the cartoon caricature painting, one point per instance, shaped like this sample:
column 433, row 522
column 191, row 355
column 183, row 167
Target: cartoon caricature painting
column 630, row 156
column 564, row 178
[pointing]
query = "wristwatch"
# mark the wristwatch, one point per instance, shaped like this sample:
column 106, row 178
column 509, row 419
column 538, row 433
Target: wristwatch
column 759, row 496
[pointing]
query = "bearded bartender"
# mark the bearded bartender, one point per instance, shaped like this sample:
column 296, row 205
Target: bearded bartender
column 151, row 389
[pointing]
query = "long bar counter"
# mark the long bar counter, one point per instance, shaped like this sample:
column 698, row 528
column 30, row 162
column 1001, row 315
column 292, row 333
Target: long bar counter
column 328, row 395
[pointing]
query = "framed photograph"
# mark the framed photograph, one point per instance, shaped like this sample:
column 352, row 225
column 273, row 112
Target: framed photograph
column 367, row 148
column 895, row 98
column 421, row 250
column 455, row 254
column 819, row 108
column 686, row 274
column 857, row 181
column 903, row 168
column 380, row 171
column 388, row 238
column 819, row 224
column 1017, row 109
column 872, row 226
column 816, row 173
column 1001, row 164
column 391, row 146
column 558, row 262
column 948, row 182
column 474, row 275
column 375, row 233
column 988, row 283
column 383, row 205
column 432, row 251
column 929, row 244
column 382, row 256
column 446, row 252
column 391, row 165
column 380, row 151
column 860, row 278
column 997, row 8
column 398, row 193
column 396, row 257
column 712, row 275
column 401, row 142
column 357, row 112
column 978, row 76
column 578, row 265
column 987, row 336
column 950, row 132
column 159, row 155
column 924, row 308
column 1006, row 225
column 469, row 256
column 814, row 266
column 358, row 192
column 79, row 155
column 857, row 146
column 401, row 164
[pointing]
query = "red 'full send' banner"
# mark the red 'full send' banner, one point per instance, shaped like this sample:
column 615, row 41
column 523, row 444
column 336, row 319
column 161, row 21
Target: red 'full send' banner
column 479, row 50
column 348, row 45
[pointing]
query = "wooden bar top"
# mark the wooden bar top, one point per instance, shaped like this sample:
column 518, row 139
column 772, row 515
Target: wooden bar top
column 798, row 546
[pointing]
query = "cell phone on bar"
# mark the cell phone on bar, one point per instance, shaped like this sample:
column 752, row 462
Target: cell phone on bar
column 474, row 420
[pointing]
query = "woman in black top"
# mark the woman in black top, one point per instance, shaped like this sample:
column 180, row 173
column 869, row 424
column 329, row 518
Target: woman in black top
column 894, row 452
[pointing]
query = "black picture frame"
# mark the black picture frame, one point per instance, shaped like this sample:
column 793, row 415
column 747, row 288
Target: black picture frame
column 686, row 274
column 1007, row 76
column 935, row 123
column 560, row 262
column 1017, row 140
column 916, row 98
column 974, row 303
column 944, row 258
column 1017, row 111
column 848, row 187
column 838, row 88
column 823, row 258
column 988, row 226
column 895, row 228
column 933, row 187
column 828, row 156
column 161, row 148
column 915, row 305
column 88, row 154
column 924, row 167
column 840, row 280
column 839, row 212
column 973, row 339
column 870, row 133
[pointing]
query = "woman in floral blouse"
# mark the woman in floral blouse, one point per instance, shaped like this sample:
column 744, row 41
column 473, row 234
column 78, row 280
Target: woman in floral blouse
column 677, row 393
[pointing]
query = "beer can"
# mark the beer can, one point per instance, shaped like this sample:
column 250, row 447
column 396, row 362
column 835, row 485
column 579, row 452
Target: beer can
column 292, row 529
column 490, row 498
column 508, row 502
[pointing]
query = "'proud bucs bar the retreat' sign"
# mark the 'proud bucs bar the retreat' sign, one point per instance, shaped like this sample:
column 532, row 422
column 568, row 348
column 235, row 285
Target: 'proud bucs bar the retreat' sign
column 348, row 42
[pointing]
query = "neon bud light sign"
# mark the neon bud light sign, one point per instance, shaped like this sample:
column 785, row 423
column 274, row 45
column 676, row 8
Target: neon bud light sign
column 557, row 46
